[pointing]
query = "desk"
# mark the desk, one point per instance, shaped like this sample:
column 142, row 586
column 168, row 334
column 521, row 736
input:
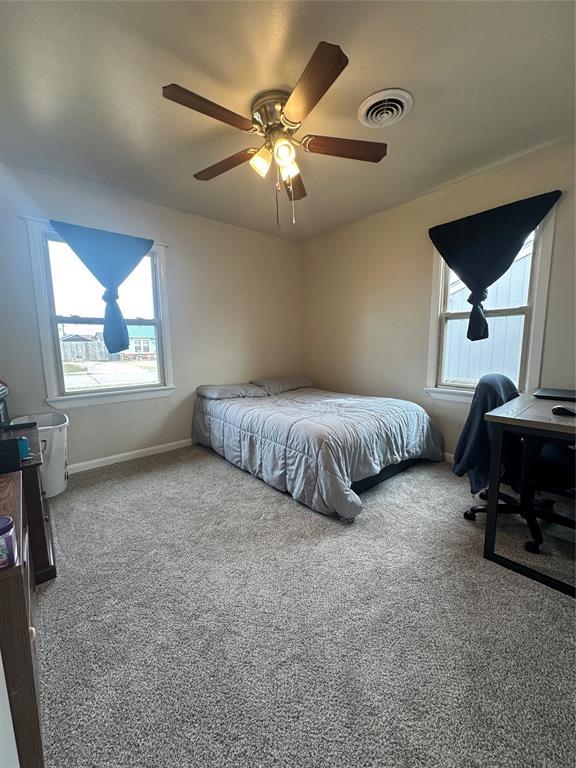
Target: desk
column 37, row 511
column 528, row 417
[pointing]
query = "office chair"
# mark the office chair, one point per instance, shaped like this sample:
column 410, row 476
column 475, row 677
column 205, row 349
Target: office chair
column 554, row 464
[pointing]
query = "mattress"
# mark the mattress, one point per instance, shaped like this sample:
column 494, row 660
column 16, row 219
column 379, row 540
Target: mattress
column 313, row 444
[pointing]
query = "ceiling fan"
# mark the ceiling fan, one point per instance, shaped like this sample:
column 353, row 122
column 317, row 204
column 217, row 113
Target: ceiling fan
column 277, row 115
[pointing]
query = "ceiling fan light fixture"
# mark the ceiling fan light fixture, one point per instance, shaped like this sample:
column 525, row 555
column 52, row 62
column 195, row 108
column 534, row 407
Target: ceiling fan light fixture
column 289, row 171
column 284, row 152
column 261, row 161
column 278, row 114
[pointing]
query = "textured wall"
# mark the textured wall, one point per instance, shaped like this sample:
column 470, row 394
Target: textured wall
column 233, row 298
column 236, row 298
column 367, row 287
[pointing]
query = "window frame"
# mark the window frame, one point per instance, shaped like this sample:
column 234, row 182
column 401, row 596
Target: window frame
column 534, row 313
column 39, row 234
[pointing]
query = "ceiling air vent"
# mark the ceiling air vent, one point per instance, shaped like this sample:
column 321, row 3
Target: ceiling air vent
column 385, row 108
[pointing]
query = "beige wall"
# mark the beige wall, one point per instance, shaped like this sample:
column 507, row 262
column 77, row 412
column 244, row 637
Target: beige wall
column 367, row 287
column 233, row 295
column 236, row 298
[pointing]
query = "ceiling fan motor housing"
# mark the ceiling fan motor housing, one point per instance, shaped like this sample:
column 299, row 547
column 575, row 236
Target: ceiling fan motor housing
column 267, row 111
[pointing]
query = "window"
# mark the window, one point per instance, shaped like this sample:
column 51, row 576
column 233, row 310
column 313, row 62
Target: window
column 507, row 309
column 77, row 365
column 515, row 310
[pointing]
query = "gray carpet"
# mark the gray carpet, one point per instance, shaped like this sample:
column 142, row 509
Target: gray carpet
column 201, row 618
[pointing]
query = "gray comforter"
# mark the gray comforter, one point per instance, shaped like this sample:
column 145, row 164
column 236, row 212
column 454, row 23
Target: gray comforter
column 314, row 444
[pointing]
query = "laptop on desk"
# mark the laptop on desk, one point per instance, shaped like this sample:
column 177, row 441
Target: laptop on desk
column 547, row 393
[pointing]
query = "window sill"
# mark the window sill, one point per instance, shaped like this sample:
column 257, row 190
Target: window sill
column 452, row 395
column 108, row 398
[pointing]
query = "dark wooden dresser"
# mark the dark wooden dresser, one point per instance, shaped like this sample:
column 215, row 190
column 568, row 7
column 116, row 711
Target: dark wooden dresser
column 17, row 632
column 37, row 509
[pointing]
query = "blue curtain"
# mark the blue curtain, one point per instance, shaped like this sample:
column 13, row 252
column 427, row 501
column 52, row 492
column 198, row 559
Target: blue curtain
column 110, row 257
column 481, row 248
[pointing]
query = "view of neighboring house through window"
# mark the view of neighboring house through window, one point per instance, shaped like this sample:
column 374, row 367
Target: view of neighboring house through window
column 508, row 311
column 84, row 363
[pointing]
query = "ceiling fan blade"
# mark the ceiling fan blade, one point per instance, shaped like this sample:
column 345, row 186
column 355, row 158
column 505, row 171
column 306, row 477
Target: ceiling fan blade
column 370, row 151
column 200, row 104
column 225, row 165
column 327, row 62
column 298, row 190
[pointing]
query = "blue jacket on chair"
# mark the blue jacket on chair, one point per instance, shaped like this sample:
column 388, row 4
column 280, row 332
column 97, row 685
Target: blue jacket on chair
column 472, row 453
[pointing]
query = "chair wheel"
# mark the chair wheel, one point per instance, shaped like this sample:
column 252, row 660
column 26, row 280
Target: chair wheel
column 532, row 546
column 470, row 514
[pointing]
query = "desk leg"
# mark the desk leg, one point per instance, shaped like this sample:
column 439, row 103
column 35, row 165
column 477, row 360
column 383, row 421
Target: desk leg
column 531, row 450
column 39, row 530
column 492, row 520
column 493, row 489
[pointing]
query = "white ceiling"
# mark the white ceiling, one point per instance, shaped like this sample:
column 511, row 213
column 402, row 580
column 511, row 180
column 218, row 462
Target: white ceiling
column 81, row 95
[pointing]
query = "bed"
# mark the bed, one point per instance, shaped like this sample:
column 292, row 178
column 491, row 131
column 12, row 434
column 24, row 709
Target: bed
column 322, row 447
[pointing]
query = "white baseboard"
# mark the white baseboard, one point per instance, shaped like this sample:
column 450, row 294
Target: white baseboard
column 104, row 461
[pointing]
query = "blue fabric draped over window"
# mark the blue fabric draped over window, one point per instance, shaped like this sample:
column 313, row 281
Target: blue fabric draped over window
column 110, row 257
column 481, row 248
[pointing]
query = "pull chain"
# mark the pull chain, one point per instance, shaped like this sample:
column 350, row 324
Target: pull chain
column 277, row 189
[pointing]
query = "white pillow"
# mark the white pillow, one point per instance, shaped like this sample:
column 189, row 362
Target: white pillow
column 275, row 385
column 228, row 391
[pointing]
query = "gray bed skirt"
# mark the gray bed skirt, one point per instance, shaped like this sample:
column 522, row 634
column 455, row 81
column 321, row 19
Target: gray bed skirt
column 392, row 469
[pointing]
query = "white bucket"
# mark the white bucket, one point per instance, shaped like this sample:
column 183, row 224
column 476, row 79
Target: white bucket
column 53, row 432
